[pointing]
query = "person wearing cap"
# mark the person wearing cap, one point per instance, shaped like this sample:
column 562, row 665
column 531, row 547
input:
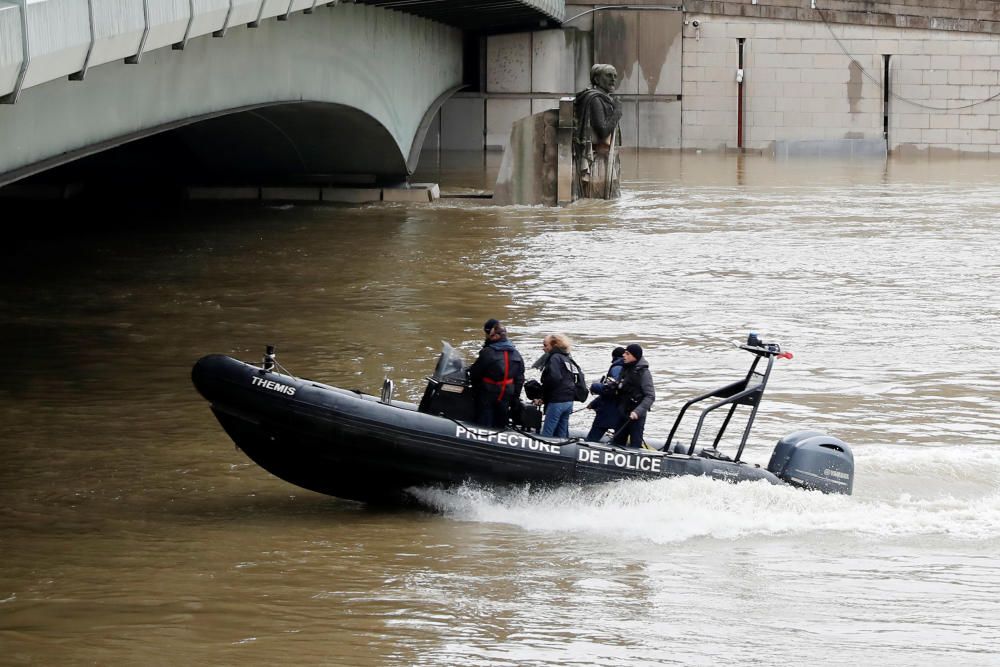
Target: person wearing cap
column 497, row 377
column 635, row 397
column 604, row 406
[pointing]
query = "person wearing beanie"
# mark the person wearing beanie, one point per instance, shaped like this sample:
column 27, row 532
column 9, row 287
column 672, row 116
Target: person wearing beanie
column 635, row 397
column 497, row 377
column 604, row 406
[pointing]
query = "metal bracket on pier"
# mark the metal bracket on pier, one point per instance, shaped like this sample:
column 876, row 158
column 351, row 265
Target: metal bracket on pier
column 260, row 13
column 134, row 60
column 11, row 97
column 225, row 24
column 284, row 17
column 312, row 7
column 78, row 76
column 179, row 46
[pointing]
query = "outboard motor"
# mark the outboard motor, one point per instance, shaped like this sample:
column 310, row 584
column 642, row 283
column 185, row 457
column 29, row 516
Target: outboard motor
column 814, row 460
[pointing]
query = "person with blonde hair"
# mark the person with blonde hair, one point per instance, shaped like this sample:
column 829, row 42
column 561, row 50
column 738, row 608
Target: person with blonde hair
column 558, row 384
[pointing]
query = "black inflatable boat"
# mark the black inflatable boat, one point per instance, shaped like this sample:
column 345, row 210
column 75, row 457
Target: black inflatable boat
column 372, row 448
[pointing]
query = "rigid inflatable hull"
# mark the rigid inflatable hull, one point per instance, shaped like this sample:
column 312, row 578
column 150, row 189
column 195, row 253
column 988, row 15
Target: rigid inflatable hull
column 353, row 446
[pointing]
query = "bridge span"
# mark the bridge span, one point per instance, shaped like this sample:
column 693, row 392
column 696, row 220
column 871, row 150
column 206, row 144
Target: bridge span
column 247, row 88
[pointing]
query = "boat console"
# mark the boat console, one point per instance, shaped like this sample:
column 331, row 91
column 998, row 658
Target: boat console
column 449, row 394
column 449, row 390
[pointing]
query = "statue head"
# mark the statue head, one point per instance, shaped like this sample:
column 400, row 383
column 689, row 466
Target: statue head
column 604, row 77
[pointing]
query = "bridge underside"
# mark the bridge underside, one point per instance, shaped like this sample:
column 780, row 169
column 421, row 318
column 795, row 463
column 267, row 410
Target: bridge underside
column 307, row 138
column 294, row 143
column 483, row 15
column 344, row 93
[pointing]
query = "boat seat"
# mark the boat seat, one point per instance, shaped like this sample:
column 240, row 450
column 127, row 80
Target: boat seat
column 678, row 447
column 714, row 454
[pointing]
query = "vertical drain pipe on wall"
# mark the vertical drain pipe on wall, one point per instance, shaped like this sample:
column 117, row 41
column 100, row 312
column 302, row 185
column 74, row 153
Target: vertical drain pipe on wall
column 739, row 96
column 885, row 99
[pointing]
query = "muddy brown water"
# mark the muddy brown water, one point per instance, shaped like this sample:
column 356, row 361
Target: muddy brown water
column 133, row 532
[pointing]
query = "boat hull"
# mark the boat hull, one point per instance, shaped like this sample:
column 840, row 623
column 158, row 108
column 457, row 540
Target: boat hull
column 353, row 446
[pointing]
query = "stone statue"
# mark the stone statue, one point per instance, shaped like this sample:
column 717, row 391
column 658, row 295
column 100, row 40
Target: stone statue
column 596, row 137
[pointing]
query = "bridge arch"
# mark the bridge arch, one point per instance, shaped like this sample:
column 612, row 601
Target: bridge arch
column 348, row 90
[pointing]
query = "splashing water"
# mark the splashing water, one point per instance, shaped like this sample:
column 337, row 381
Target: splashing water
column 684, row 508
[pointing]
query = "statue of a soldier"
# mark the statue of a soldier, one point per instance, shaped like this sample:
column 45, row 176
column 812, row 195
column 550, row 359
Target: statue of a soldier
column 596, row 137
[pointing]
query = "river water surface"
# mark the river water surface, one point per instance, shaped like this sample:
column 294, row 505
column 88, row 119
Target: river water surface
column 133, row 532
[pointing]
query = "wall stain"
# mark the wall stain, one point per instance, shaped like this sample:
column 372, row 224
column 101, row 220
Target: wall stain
column 655, row 42
column 614, row 44
column 854, row 84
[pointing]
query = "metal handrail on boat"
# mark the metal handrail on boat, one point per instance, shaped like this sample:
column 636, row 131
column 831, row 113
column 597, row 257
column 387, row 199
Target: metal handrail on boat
column 734, row 394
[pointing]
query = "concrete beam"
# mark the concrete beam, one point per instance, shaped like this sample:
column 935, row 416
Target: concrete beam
column 341, row 69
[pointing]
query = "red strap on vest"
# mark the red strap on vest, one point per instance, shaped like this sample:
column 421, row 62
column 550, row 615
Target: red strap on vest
column 506, row 380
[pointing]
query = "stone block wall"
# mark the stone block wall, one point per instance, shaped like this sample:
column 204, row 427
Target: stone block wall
column 808, row 81
column 813, row 77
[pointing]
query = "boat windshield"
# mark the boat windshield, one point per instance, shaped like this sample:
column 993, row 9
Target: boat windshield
column 450, row 364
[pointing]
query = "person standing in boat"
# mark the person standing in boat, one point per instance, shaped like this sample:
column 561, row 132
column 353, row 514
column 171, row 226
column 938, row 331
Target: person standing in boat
column 635, row 397
column 605, row 406
column 558, row 385
column 497, row 377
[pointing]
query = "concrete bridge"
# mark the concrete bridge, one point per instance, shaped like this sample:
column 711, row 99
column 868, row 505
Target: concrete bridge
column 298, row 92
column 342, row 91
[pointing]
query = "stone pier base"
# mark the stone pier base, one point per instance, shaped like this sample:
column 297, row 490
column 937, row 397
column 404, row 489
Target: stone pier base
column 538, row 160
column 414, row 192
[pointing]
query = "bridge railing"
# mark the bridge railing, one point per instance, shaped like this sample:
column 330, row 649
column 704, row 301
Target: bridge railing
column 43, row 40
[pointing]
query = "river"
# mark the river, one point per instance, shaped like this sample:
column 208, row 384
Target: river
column 133, row 532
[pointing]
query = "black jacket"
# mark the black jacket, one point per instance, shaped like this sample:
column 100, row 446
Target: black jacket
column 558, row 383
column 606, row 405
column 635, row 388
column 489, row 371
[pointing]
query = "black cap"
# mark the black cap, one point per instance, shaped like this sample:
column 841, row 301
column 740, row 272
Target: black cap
column 617, row 352
column 635, row 350
column 490, row 323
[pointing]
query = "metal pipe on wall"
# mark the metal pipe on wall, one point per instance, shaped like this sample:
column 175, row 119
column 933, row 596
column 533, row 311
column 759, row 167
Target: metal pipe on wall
column 739, row 96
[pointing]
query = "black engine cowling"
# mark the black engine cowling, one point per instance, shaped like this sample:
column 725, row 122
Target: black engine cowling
column 814, row 460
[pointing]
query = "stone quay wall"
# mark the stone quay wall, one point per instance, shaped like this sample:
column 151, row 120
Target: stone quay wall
column 919, row 77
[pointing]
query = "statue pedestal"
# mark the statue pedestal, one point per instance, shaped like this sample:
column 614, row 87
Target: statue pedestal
column 537, row 165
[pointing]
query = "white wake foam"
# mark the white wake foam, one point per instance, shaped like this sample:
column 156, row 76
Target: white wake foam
column 679, row 509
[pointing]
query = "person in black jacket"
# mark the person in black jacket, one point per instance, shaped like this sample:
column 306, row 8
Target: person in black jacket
column 605, row 406
column 558, row 385
column 635, row 397
column 497, row 377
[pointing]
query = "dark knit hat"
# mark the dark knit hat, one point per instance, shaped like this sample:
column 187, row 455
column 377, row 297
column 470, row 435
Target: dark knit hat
column 635, row 350
column 490, row 323
column 617, row 352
